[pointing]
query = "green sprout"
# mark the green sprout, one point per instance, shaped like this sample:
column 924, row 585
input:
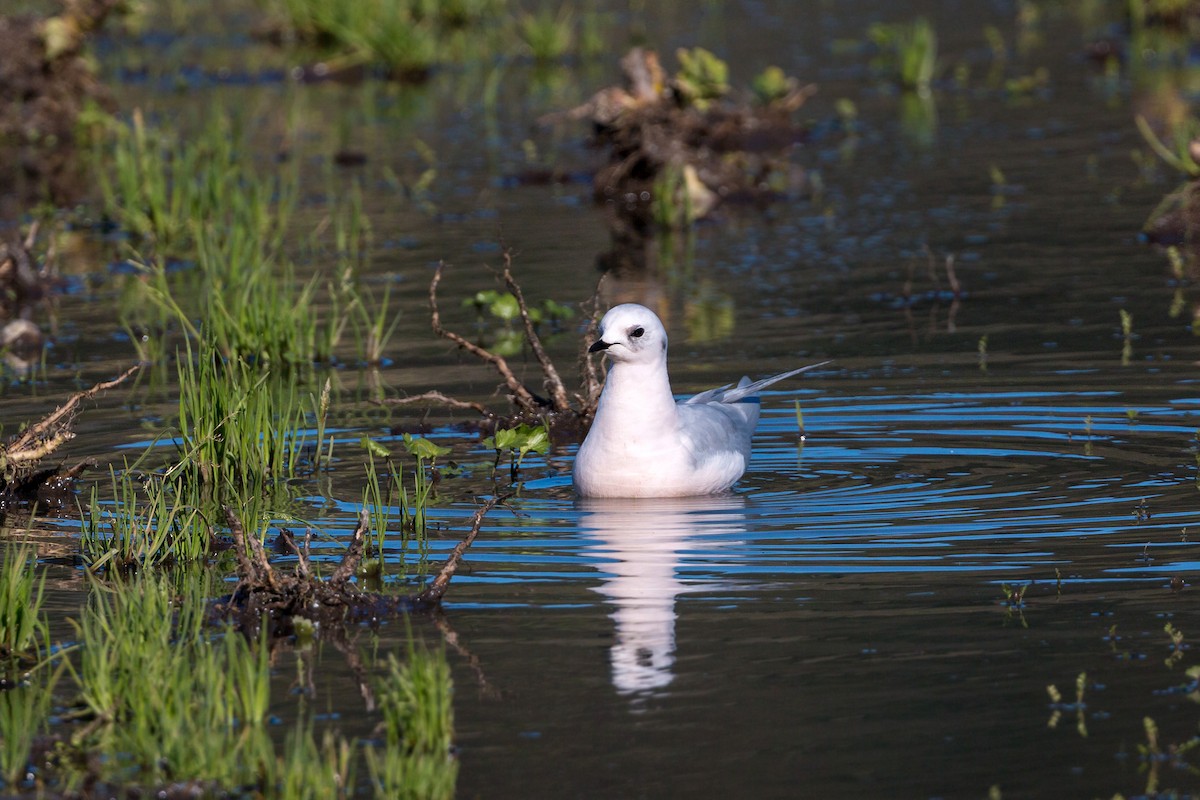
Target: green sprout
column 702, row 77
column 518, row 442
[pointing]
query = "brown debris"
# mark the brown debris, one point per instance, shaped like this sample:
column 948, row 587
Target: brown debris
column 264, row 592
column 721, row 151
column 20, row 456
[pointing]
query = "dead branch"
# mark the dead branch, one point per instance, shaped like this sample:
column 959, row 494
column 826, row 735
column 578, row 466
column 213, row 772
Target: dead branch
column 254, row 568
column 592, row 383
column 521, row 395
column 433, row 593
column 55, row 425
column 354, row 552
column 438, row 397
column 557, row 391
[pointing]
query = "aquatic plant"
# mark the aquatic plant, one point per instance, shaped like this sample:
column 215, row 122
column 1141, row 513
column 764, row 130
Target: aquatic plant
column 773, row 85
column 908, row 51
column 372, row 328
column 147, row 524
column 518, row 442
column 168, row 702
column 308, row 770
column 1126, row 337
column 1177, row 646
column 415, row 759
column 380, row 495
column 1079, row 708
column 24, row 710
column 159, row 184
column 678, row 198
column 1182, row 150
column 22, row 623
column 702, row 77
column 407, row 36
column 242, row 431
column 387, row 31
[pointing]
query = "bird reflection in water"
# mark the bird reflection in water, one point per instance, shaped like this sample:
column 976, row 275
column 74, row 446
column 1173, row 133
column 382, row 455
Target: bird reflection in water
column 640, row 546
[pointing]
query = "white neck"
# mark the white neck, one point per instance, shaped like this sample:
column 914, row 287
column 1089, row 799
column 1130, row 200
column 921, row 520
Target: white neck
column 637, row 396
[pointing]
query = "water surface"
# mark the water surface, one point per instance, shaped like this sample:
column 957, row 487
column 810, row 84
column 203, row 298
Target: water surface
column 849, row 621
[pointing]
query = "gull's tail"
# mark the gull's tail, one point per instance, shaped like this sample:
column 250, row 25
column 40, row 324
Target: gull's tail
column 724, row 394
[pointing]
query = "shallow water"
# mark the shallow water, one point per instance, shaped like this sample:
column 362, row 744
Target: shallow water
column 843, row 624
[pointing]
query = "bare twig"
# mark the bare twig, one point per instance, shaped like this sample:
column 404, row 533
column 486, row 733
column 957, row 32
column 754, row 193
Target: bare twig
column 252, row 558
column 354, row 551
column 557, row 391
column 438, row 397
column 521, row 395
column 433, row 593
column 592, row 382
column 48, row 434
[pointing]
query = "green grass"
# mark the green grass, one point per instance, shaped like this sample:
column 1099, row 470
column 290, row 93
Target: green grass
column 168, row 702
column 241, row 429
column 406, row 36
column 159, row 697
column 22, row 623
column 147, row 524
column 24, row 712
column 415, row 760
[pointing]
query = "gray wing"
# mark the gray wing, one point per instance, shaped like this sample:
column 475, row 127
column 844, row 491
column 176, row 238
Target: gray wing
column 745, row 388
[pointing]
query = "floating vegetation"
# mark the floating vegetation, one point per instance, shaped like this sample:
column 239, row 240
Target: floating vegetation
column 688, row 141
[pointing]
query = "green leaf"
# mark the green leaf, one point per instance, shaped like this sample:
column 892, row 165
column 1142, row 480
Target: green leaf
column 374, row 448
column 505, row 307
column 423, row 448
column 536, row 439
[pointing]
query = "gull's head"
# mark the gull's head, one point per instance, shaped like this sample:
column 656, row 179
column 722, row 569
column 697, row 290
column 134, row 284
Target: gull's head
column 630, row 333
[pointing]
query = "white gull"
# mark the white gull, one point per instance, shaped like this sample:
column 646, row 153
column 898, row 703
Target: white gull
column 642, row 442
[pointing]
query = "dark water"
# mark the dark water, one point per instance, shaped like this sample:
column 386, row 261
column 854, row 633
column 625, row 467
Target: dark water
column 844, row 624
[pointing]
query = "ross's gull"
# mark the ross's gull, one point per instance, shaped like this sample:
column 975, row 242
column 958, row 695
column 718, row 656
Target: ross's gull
column 642, row 442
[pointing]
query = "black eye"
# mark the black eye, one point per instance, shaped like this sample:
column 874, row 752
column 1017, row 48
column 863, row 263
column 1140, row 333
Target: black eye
column 636, row 333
